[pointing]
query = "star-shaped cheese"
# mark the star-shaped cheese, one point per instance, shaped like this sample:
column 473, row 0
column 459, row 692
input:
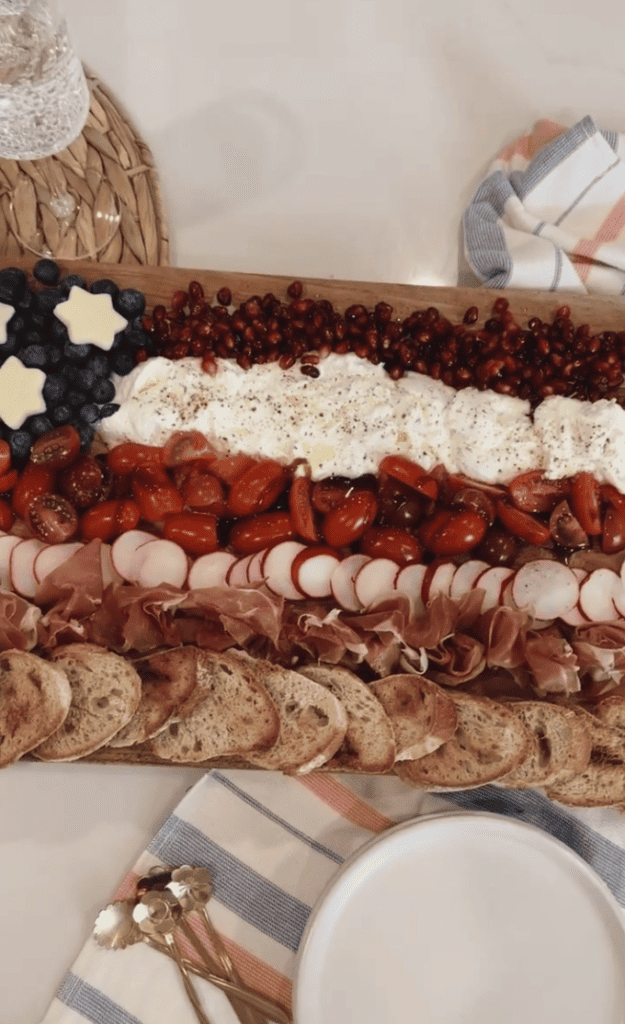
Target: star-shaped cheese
column 6, row 312
column 90, row 319
column 21, row 392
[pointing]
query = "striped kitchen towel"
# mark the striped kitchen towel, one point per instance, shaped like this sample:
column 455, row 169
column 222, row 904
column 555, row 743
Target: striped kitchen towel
column 551, row 212
column 272, row 844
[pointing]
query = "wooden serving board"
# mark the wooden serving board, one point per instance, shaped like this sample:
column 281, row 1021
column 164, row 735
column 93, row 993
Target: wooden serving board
column 159, row 283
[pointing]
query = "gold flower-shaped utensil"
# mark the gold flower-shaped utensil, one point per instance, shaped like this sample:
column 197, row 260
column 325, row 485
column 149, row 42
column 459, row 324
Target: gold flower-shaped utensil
column 157, row 915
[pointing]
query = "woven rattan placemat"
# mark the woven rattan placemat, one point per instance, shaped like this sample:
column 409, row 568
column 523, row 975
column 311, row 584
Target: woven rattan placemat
column 109, row 168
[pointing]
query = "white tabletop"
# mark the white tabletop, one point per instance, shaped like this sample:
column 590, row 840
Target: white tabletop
column 334, row 138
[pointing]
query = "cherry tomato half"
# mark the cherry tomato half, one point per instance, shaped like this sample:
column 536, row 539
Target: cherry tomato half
column 461, row 532
column 82, row 482
column 195, row 532
column 386, row 542
column 52, row 518
column 231, row 467
column 56, row 448
column 187, row 446
column 258, row 532
column 522, row 524
column 585, row 503
column 613, row 538
column 126, row 457
column 300, row 506
column 533, row 492
column 349, row 520
column 108, row 519
column 5, row 457
column 202, row 491
column 154, row 493
column 34, row 480
column 6, row 516
column 257, row 488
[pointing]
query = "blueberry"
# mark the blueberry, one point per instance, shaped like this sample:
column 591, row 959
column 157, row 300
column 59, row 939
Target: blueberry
column 55, row 355
column 38, row 425
column 70, row 371
column 76, row 353
column 12, row 282
column 17, row 324
column 25, row 301
column 123, row 364
column 32, row 338
column 89, row 413
column 6, row 296
column 136, row 339
column 103, row 391
column 61, row 414
column 99, row 364
column 10, row 346
column 85, row 378
column 34, row 355
column 20, row 442
column 75, row 398
column 136, row 324
column 58, row 330
column 104, row 286
column 46, row 271
column 130, row 303
column 49, row 299
column 36, row 321
column 54, row 388
column 71, row 281
column 86, row 431
column 108, row 410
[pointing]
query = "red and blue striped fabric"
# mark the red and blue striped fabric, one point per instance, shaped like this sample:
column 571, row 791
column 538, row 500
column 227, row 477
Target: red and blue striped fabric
column 550, row 213
column 272, row 844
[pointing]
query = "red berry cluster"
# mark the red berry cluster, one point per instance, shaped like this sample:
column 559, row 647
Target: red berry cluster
column 542, row 359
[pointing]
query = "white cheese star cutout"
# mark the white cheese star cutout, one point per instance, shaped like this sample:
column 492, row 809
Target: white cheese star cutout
column 21, row 392
column 90, row 319
column 6, row 312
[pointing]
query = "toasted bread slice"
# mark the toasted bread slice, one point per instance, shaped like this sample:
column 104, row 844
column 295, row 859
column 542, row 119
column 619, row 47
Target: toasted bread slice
column 167, row 681
column 602, row 782
column 313, row 722
column 229, row 712
column 35, row 697
column 369, row 742
column 489, row 742
column 105, row 695
column 610, row 710
column 562, row 744
column 422, row 714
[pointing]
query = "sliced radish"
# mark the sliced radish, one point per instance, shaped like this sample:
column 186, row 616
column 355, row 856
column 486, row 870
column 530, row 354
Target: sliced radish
column 276, row 569
column 492, row 582
column 441, row 580
column 618, row 597
column 547, row 588
column 409, row 581
column 51, row 557
column 109, row 572
column 311, row 571
column 7, row 543
column 236, row 576
column 254, row 569
column 22, row 566
column 375, row 579
column 163, row 561
column 465, row 576
column 210, row 570
column 343, row 579
column 124, row 552
column 595, row 595
column 576, row 616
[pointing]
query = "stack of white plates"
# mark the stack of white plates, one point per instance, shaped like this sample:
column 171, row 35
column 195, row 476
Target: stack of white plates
column 463, row 918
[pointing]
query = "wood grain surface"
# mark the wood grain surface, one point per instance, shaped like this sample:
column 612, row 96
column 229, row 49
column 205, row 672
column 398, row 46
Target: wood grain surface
column 159, row 283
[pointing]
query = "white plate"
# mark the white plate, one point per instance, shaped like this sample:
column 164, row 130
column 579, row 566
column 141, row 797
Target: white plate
column 463, row 918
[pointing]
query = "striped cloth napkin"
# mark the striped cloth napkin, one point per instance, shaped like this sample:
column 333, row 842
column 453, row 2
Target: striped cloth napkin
column 551, row 212
column 272, row 844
